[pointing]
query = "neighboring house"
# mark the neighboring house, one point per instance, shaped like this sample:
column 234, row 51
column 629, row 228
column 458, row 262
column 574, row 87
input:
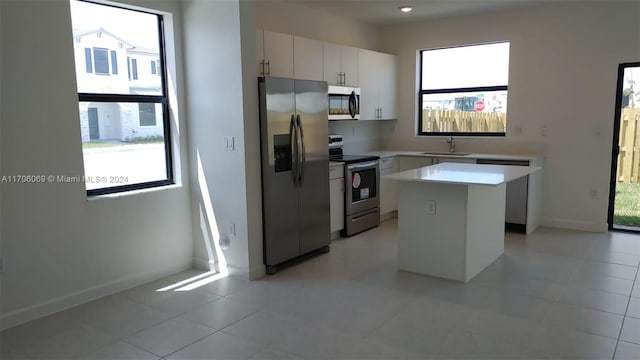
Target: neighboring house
column 107, row 64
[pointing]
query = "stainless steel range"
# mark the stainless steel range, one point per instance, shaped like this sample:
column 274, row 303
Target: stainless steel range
column 362, row 188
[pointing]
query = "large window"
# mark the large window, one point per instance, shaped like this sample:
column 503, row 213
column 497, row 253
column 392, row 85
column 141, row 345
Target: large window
column 124, row 117
column 463, row 90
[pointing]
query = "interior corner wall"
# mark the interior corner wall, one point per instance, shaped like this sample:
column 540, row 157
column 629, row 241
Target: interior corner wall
column 562, row 86
column 1, row 189
column 216, row 108
column 252, row 138
column 60, row 248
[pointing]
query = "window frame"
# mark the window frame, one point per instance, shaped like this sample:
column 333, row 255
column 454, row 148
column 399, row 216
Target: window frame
column 95, row 50
column 422, row 92
column 137, row 98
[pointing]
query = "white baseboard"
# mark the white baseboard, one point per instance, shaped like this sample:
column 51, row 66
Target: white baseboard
column 389, row 215
column 203, row 264
column 575, row 225
column 64, row 302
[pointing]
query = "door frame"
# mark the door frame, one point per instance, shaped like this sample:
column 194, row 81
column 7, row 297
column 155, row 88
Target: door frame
column 615, row 147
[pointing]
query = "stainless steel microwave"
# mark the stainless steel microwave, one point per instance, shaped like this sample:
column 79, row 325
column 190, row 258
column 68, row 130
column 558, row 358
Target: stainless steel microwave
column 344, row 103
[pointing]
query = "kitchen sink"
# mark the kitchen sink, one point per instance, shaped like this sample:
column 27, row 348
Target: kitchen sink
column 446, row 153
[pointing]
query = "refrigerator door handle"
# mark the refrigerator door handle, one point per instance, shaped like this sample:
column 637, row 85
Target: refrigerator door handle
column 293, row 136
column 302, row 156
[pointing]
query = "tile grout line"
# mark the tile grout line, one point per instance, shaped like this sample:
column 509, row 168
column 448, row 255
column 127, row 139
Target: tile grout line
column 625, row 316
column 215, row 332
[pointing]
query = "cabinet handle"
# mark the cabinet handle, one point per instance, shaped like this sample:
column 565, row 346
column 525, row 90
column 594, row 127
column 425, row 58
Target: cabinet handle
column 268, row 73
column 344, row 79
column 262, row 67
column 380, row 116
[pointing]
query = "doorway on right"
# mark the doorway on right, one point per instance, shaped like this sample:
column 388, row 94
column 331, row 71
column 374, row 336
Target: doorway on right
column 624, row 195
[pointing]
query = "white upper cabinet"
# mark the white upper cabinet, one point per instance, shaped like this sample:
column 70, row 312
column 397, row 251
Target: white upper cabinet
column 295, row 57
column 368, row 79
column 307, row 59
column 349, row 56
column 377, row 74
column 332, row 64
column 275, row 54
column 340, row 65
column 387, row 83
column 260, row 51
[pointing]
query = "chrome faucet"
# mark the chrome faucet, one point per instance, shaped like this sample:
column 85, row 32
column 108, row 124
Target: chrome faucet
column 452, row 144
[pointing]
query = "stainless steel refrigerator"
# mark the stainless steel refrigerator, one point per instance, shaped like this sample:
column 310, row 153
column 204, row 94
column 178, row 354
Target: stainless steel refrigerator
column 294, row 130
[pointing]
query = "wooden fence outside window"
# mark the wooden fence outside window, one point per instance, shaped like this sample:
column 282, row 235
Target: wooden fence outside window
column 462, row 121
column 629, row 157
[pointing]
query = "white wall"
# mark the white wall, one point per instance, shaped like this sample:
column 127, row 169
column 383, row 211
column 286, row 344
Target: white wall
column 289, row 18
column 59, row 248
column 220, row 53
column 563, row 67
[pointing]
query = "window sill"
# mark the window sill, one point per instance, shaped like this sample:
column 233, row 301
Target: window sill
column 134, row 192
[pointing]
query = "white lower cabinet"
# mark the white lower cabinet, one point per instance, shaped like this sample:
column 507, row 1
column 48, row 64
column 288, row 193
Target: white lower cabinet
column 388, row 188
column 336, row 196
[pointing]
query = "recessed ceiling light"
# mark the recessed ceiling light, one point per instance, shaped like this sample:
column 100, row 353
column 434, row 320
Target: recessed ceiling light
column 406, row 9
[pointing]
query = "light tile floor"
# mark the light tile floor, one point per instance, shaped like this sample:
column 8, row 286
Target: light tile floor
column 554, row 294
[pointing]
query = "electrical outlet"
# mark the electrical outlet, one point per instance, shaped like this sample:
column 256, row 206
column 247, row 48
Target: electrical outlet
column 228, row 142
column 544, row 131
column 518, row 130
column 431, row 207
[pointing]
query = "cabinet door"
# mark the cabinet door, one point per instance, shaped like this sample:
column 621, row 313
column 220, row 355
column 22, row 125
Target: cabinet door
column 332, row 63
column 278, row 54
column 260, row 51
column 368, row 79
column 388, row 189
column 516, row 203
column 413, row 162
column 349, row 61
column 307, row 59
column 336, row 199
column 387, row 83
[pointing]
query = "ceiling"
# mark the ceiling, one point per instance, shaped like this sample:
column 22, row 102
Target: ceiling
column 386, row 12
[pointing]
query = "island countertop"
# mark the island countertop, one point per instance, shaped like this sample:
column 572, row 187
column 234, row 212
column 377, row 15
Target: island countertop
column 465, row 174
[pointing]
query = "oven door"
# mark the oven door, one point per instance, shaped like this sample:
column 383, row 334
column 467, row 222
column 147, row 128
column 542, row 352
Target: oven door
column 362, row 183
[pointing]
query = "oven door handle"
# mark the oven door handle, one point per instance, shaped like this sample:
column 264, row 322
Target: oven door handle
column 363, row 165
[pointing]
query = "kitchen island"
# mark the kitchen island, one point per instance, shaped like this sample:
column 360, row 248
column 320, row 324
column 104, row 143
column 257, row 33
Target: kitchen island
column 451, row 217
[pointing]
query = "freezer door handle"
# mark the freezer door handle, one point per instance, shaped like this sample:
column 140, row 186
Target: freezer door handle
column 293, row 135
column 302, row 155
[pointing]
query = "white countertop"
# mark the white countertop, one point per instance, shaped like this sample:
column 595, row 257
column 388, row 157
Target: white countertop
column 336, row 163
column 465, row 174
column 389, row 153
